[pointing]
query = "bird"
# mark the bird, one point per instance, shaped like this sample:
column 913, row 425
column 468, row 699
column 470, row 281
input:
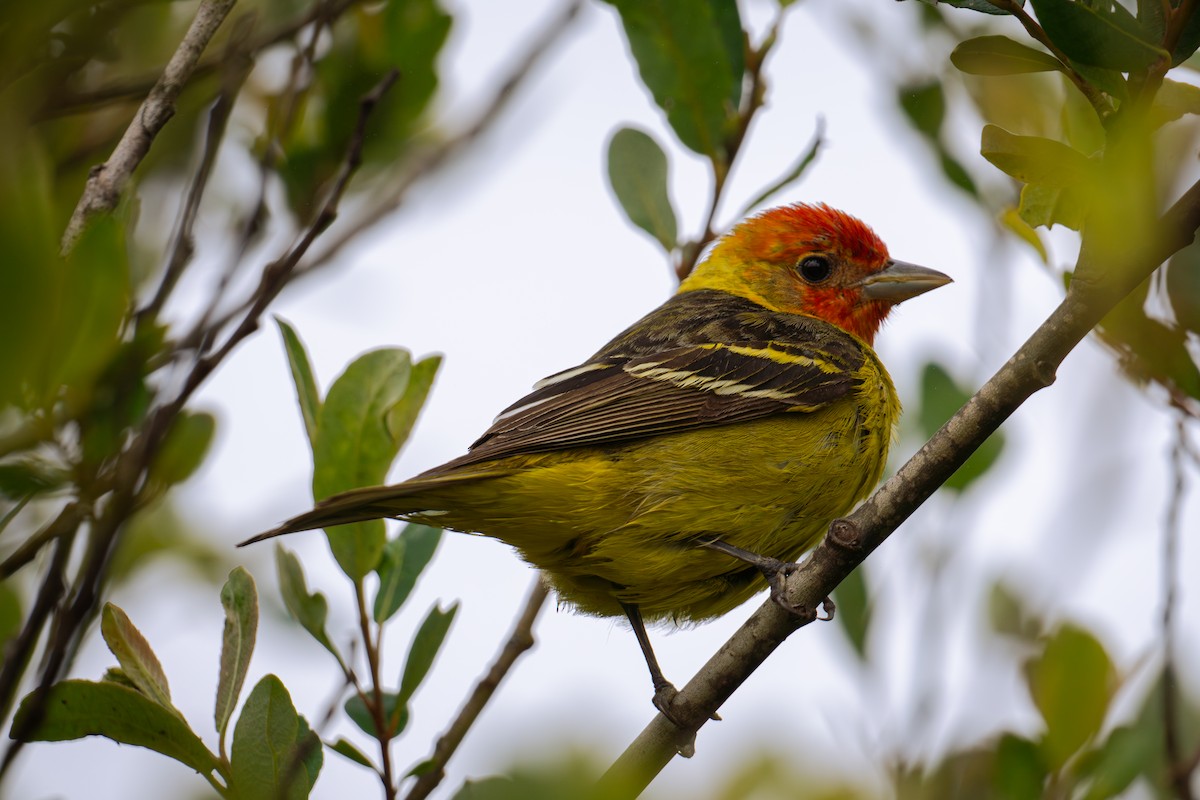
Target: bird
column 672, row 475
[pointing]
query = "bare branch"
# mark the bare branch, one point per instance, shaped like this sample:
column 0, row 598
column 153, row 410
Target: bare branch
column 519, row 641
column 107, row 180
column 1179, row 766
column 852, row 539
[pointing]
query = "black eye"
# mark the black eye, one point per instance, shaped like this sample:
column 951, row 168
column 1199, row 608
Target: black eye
column 815, row 269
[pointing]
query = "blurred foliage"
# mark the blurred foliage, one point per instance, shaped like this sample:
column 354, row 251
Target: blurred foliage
column 99, row 360
column 1076, row 114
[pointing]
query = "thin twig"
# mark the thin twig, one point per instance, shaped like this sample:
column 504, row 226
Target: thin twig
column 519, row 641
column 183, row 244
column 850, row 540
column 1179, row 767
column 202, row 331
column 108, row 180
column 375, row 705
column 19, row 651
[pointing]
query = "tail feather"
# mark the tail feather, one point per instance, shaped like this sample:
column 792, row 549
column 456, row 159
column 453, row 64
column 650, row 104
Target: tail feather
column 371, row 502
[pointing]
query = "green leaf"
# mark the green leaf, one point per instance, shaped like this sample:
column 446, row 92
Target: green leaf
column 395, row 712
column 302, row 377
column 1000, row 55
column 1010, row 616
column 239, row 599
column 312, row 754
column 1150, row 17
column 1126, row 753
column 403, row 414
column 135, row 656
column 854, row 610
column 404, row 559
column 310, row 610
column 1044, row 206
column 941, row 397
column 184, row 449
column 29, row 475
column 354, row 447
column 74, row 709
column 955, row 172
column 1071, row 683
column 1183, row 286
column 637, row 173
column 87, row 316
column 1189, row 40
column 982, row 6
column 415, row 32
column 424, row 649
column 1032, row 159
column 271, row 757
column 691, row 57
column 925, row 107
column 33, row 275
column 1102, row 34
column 1019, row 773
column 345, row 747
column 1109, row 81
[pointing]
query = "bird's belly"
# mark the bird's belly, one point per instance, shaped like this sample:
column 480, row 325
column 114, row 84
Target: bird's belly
column 770, row 486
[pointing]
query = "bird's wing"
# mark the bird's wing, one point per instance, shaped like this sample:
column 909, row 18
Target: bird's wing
column 620, row 398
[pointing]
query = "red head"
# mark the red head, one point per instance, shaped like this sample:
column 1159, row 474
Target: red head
column 814, row 260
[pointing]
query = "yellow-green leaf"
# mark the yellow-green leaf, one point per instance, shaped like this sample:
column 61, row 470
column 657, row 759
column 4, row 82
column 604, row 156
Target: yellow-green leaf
column 135, row 655
column 1000, row 55
column 239, row 599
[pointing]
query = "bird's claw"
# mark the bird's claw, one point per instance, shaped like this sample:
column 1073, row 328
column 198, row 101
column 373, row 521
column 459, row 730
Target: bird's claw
column 664, row 696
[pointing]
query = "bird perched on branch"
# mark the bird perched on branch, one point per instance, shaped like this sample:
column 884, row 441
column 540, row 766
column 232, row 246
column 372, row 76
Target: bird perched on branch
column 670, row 475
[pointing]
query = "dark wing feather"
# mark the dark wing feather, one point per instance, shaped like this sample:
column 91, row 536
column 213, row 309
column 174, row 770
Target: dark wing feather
column 695, row 362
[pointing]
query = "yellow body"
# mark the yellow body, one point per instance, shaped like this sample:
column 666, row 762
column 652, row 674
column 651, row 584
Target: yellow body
column 748, row 408
column 621, row 523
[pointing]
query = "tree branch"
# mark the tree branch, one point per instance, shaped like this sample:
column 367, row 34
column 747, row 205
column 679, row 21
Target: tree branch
column 852, row 539
column 1179, row 766
column 107, row 180
column 520, row 640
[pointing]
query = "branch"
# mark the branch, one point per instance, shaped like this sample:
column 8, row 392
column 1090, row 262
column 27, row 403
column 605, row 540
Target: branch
column 107, row 180
column 1179, row 767
column 520, row 640
column 852, row 539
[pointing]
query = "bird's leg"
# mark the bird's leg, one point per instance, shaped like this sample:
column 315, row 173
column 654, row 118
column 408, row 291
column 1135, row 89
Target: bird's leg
column 664, row 690
column 776, row 572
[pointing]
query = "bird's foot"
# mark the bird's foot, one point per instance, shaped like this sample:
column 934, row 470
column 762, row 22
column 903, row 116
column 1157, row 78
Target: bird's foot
column 776, row 572
column 664, row 696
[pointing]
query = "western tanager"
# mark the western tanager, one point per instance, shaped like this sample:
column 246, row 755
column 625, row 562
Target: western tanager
column 708, row 443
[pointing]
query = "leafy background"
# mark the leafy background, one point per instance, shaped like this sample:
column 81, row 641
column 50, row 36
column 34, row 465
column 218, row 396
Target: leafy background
column 519, row 263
